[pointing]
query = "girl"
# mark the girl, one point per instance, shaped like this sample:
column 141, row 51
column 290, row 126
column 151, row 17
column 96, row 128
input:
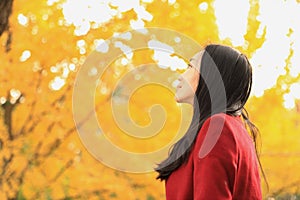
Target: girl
column 216, row 158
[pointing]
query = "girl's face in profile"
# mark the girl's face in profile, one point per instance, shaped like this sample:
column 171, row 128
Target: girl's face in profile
column 188, row 81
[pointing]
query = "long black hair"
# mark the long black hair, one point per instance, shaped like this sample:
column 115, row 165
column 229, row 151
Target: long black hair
column 224, row 86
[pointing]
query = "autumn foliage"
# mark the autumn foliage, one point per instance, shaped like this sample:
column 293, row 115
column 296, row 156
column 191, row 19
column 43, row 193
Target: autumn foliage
column 41, row 153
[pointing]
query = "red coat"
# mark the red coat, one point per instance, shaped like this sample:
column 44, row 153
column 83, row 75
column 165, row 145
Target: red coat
column 223, row 167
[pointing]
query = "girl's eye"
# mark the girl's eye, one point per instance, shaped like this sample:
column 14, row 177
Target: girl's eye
column 189, row 66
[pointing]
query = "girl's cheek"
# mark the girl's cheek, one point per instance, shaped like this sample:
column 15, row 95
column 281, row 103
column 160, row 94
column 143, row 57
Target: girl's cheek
column 195, row 82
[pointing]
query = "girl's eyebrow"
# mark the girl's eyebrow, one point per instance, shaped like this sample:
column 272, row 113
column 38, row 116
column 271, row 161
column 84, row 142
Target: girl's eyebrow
column 189, row 65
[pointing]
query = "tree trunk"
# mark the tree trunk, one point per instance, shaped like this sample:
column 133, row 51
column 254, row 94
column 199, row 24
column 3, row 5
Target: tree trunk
column 5, row 12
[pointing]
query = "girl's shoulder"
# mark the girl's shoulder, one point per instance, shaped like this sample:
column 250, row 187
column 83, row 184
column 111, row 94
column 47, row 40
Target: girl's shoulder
column 218, row 133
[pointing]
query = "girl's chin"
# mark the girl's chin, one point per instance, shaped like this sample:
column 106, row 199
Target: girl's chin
column 179, row 99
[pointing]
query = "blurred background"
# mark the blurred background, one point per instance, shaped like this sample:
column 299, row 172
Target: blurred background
column 43, row 45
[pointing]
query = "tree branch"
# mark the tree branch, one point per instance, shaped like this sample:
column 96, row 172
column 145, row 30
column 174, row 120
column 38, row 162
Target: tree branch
column 4, row 166
column 8, row 108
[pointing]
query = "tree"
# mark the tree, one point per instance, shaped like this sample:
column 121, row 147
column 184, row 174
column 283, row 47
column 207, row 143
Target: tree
column 6, row 9
column 41, row 155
